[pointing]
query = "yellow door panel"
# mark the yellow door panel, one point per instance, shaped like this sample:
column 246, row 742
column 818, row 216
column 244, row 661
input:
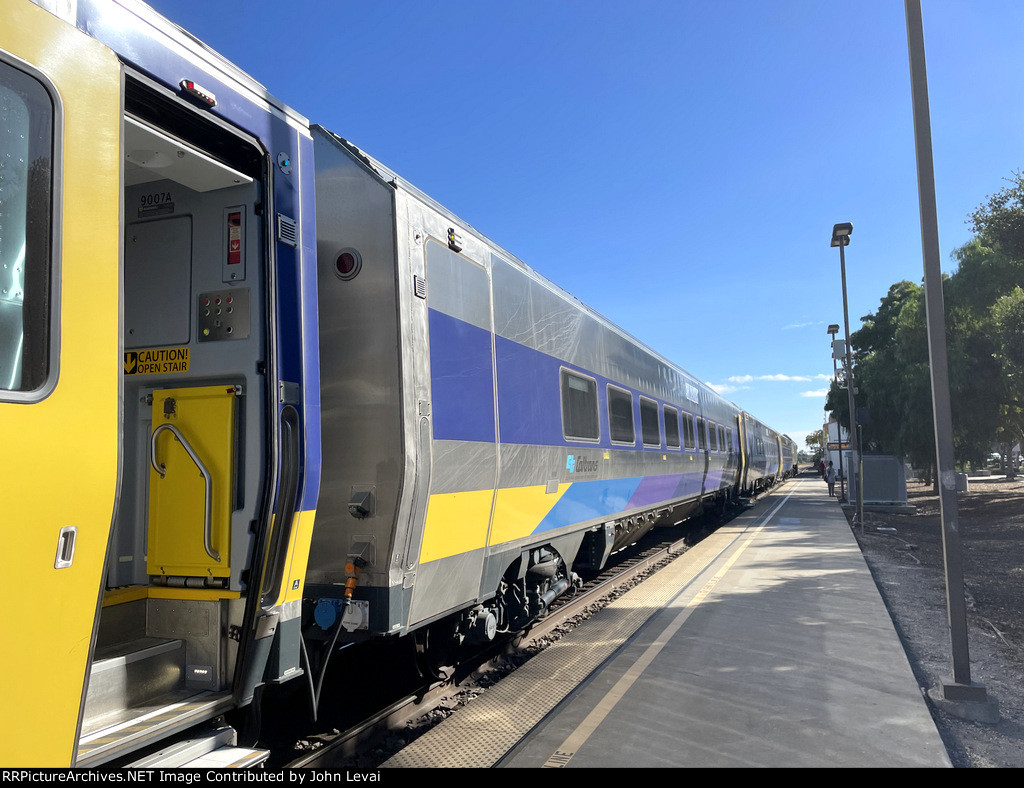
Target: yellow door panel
column 191, row 483
column 59, row 464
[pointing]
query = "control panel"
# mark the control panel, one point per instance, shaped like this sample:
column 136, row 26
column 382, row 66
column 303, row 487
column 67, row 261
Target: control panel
column 223, row 314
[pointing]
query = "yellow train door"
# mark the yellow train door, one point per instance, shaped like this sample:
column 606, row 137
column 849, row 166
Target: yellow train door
column 60, row 416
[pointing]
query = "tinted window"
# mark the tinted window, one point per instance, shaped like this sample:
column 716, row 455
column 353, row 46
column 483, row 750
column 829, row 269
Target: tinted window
column 649, row 428
column 728, row 440
column 671, row 427
column 579, row 407
column 702, row 438
column 721, row 439
column 620, row 415
column 712, row 437
column 26, row 160
column 689, row 441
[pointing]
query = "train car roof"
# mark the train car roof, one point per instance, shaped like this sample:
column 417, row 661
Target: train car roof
column 387, row 175
column 88, row 15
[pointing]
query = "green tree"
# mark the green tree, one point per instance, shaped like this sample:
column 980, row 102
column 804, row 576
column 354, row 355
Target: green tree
column 816, row 443
column 891, row 375
column 1008, row 331
column 999, row 221
column 983, row 302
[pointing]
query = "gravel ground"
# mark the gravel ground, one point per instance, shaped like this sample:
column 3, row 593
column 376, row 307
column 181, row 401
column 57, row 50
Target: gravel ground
column 909, row 569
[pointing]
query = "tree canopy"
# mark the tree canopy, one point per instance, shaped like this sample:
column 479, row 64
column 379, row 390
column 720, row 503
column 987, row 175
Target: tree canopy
column 983, row 301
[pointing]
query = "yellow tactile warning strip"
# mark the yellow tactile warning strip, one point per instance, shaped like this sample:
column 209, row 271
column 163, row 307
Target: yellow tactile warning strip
column 485, row 730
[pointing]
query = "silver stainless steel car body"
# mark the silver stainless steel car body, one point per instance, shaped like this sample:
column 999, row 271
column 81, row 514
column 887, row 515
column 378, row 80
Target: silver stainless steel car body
column 446, row 460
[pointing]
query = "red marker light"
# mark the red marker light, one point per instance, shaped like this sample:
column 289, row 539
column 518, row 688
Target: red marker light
column 198, row 92
column 346, row 262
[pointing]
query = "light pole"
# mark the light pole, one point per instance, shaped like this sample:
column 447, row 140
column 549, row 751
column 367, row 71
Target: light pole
column 833, row 329
column 841, row 237
column 961, row 689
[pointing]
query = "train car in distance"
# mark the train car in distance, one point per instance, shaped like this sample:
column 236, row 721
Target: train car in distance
column 262, row 398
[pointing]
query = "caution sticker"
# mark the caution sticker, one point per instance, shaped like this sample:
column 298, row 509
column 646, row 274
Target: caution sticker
column 156, row 361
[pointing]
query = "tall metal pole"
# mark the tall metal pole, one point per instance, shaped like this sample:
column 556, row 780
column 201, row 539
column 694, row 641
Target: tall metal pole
column 854, row 443
column 962, row 688
column 842, row 476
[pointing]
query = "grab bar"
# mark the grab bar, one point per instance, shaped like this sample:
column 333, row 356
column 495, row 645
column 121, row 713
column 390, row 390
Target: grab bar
column 162, row 470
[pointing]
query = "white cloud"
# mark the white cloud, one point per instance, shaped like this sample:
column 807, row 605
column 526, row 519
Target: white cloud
column 804, row 325
column 725, row 388
column 778, row 377
column 818, row 393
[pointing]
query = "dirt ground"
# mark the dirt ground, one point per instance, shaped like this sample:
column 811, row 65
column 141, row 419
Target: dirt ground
column 908, row 567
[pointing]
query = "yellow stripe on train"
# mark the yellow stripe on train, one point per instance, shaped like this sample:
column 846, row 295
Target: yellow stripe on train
column 519, row 510
column 458, row 522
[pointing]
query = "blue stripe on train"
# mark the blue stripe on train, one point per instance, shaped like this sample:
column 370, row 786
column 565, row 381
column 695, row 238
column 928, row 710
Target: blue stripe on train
column 461, row 380
column 597, row 498
column 529, row 394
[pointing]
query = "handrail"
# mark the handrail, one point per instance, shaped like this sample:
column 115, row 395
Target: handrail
column 162, row 470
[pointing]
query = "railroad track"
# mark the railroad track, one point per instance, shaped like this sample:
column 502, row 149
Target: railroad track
column 364, row 745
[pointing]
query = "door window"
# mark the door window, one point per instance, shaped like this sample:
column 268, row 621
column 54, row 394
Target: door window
column 26, row 175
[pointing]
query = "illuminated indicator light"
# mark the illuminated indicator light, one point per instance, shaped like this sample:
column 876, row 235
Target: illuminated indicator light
column 198, row 92
column 229, row 299
column 206, row 332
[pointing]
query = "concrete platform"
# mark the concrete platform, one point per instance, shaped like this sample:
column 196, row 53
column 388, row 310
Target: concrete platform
column 766, row 645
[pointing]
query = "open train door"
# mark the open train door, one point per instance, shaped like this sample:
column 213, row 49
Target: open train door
column 60, row 120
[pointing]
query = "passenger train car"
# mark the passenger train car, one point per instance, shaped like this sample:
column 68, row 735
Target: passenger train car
column 257, row 391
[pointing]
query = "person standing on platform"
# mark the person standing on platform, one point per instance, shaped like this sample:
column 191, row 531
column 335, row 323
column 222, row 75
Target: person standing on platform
column 821, row 469
column 830, row 479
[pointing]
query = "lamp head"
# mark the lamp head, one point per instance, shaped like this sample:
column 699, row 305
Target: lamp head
column 833, row 329
column 841, row 234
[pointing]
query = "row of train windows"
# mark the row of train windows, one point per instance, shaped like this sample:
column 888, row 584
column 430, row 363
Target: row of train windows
column 580, row 420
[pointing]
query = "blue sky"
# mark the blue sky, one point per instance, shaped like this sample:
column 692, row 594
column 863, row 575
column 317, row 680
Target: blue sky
column 676, row 165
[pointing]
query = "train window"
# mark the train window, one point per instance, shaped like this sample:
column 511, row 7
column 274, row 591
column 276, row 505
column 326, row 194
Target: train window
column 721, row 439
column 579, row 407
column 620, row 415
column 728, row 440
column 671, row 427
column 26, row 207
column 712, row 437
column 702, row 436
column 650, row 430
column 689, row 441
